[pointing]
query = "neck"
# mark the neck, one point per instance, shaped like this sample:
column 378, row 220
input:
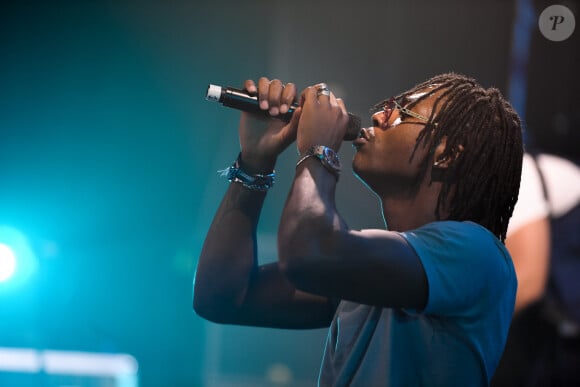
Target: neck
column 402, row 214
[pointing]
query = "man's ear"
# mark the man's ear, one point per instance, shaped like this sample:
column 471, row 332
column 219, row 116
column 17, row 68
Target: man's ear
column 442, row 164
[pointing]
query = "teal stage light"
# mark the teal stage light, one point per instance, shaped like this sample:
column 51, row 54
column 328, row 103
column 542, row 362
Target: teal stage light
column 18, row 262
column 7, row 262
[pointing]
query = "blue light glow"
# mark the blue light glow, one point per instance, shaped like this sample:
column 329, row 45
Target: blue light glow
column 7, row 262
column 18, row 262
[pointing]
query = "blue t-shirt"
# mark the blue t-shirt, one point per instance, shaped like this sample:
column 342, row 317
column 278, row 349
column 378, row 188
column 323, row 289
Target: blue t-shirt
column 457, row 340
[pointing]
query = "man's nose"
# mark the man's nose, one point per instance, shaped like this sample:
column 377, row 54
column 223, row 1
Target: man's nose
column 381, row 118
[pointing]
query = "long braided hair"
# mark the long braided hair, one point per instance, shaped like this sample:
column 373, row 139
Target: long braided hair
column 484, row 139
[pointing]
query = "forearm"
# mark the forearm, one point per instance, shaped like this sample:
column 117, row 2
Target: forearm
column 228, row 257
column 310, row 227
column 231, row 288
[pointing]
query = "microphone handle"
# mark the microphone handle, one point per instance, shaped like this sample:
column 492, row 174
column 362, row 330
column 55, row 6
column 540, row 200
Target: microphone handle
column 241, row 100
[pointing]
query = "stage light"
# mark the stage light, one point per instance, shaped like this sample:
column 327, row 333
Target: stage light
column 18, row 262
column 7, row 262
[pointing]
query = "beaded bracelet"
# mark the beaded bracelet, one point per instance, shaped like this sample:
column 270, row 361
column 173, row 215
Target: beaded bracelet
column 257, row 182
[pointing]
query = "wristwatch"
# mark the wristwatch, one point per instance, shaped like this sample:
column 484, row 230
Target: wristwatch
column 327, row 157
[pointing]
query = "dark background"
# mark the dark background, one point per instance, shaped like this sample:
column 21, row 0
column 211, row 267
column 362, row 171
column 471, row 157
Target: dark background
column 109, row 153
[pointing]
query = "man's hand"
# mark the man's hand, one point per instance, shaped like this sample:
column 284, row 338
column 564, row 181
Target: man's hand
column 263, row 139
column 323, row 120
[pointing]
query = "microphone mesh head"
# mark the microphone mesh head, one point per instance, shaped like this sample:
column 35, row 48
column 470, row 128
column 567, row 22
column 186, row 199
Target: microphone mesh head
column 352, row 128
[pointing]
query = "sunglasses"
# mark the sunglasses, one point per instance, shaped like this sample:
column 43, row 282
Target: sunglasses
column 391, row 104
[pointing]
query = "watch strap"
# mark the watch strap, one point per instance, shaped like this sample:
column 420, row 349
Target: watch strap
column 327, row 157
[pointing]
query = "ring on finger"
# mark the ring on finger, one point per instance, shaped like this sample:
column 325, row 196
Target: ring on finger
column 322, row 89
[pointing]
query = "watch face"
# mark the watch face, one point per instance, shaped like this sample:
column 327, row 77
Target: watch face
column 331, row 158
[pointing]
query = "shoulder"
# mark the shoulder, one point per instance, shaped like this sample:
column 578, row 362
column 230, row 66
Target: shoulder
column 461, row 260
column 450, row 241
column 450, row 233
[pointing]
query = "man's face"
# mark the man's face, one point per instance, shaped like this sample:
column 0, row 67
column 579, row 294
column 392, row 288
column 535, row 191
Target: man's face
column 383, row 157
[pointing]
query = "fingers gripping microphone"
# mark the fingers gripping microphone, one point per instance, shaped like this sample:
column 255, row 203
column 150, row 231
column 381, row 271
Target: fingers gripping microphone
column 241, row 100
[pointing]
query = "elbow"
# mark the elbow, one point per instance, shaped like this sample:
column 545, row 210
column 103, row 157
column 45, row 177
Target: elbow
column 210, row 304
column 211, row 309
column 203, row 306
column 207, row 312
column 219, row 290
column 202, row 300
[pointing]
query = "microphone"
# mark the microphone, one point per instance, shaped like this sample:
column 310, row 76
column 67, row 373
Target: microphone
column 241, row 100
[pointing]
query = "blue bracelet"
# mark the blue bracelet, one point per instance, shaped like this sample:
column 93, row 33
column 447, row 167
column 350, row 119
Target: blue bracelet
column 257, row 182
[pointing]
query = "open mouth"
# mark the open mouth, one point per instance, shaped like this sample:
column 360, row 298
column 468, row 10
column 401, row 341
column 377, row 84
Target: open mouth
column 365, row 135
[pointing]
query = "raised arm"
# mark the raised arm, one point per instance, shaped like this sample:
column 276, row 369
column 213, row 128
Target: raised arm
column 318, row 252
column 230, row 286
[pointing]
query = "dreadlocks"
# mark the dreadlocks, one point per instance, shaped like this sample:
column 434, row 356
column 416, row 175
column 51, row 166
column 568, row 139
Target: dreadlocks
column 484, row 139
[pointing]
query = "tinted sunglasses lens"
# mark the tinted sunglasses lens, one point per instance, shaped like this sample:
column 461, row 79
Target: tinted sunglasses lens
column 389, row 107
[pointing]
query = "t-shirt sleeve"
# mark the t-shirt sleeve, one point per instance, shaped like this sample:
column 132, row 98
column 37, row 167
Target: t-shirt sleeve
column 465, row 265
